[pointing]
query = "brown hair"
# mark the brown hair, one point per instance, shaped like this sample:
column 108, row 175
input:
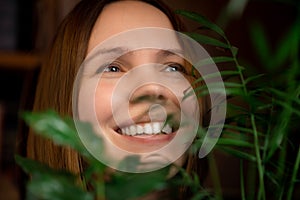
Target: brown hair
column 55, row 84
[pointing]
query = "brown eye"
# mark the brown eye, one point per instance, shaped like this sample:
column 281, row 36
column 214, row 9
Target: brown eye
column 112, row 68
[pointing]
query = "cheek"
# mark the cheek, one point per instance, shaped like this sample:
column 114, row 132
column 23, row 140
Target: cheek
column 103, row 97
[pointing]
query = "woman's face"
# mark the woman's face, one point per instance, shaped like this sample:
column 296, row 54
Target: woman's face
column 134, row 106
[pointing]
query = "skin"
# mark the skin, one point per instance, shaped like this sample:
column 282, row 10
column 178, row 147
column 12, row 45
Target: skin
column 125, row 15
column 116, row 18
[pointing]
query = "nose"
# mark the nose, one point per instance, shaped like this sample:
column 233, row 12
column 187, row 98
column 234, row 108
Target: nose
column 151, row 92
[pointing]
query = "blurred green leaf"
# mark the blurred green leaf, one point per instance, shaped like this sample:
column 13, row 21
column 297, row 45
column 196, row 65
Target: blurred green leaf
column 234, row 142
column 252, row 78
column 49, row 187
column 202, row 20
column 235, row 51
column 238, row 153
column 62, row 131
column 29, row 165
column 282, row 94
column 260, row 42
column 238, row 129
column 212, row 60
column 287, row 106
column 273, row 59
column 216, row 75
column 50, row 184
column 130, row 186
column 203, row 39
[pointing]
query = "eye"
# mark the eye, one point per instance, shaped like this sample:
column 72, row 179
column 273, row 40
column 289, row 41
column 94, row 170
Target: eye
column 175, row 67
column 112, row 68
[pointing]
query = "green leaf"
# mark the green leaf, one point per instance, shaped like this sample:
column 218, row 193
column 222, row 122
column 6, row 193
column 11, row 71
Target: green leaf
column 202, row 20
column 203, row 39
column 49, row 124
column 131, row 186
column 233, row 85
column 238, row 153
column 29, row 165
column 251, row 78
column 234, row 142
column 238, row 129
column 284, row 95
column 212, row 60
column 287, row 106
column 50, row 187
column 200, row 92
column 62, row 131
column 49, row 184
column 272, row 177
column 216, row 75
column 279, row 132
column 256, row 91
column 234, row 91
column 235, row 136
column 261, row 44
column 284, row 48
column 234, row 51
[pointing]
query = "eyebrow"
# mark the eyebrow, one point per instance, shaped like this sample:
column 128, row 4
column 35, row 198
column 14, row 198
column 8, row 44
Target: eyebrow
column 123, row 50
column 115, row 50
column 170, row 52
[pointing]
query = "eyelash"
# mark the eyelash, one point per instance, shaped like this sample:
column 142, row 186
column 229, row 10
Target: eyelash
column 111, row 66
column 180, row 68
column 104, row 67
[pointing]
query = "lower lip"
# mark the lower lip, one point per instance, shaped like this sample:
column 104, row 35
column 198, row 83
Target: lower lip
column 141, row 143
column 146, row 139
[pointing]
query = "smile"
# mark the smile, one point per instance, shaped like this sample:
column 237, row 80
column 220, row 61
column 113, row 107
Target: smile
column 153, row 128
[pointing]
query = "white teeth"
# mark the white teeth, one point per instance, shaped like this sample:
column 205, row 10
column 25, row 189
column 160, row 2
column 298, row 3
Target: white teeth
column 139, row 129
column 127, row 130
column 148, row 128
column 167, row 129
column 132, row 130
column 156, row 127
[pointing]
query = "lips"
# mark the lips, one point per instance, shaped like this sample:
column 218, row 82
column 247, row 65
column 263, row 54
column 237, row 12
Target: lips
column 153, row 128
column 144, row 135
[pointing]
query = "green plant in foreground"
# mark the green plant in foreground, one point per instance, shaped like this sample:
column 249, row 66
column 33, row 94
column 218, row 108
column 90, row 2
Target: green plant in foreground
column 258, row 130
column 46, row 183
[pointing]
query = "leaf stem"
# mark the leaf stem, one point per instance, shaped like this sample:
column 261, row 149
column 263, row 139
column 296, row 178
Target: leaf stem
column 294, row 176
column 260, row 167
column 215, row 176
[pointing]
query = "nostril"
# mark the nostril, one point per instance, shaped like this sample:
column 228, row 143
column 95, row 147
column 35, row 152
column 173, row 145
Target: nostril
column 150, row 92
column 161, row 97
column 140, row 99
column 148, row 98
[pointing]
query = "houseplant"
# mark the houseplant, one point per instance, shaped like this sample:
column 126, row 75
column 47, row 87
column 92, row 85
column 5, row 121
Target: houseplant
column 262, row 116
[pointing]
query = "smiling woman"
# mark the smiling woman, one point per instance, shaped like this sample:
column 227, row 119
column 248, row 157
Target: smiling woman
column 121, row 65
column 135, row 116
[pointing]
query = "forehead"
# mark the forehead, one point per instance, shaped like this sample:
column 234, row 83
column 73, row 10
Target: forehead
column 125, row 15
